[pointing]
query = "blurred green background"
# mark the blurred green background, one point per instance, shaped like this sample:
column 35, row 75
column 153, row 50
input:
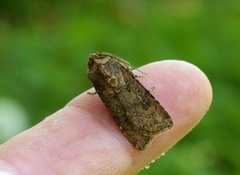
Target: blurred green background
column 45, row 44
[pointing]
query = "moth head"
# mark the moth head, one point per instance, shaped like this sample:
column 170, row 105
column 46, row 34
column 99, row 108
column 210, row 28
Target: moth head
column 96, row 60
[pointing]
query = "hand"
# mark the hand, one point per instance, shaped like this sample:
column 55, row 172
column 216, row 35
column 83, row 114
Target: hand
column 83, row 138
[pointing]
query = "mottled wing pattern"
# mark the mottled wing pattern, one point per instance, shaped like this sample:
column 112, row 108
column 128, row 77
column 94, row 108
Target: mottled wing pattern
column 134, row 109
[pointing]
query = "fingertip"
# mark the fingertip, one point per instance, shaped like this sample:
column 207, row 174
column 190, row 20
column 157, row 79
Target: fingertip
column 181, row 87
column 186, row 94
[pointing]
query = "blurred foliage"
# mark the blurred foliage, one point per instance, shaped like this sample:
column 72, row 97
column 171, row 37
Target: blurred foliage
column 45, row 44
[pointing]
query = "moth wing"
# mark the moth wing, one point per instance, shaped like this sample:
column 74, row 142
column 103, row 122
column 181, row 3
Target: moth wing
column 151, row 121
column 138, row 140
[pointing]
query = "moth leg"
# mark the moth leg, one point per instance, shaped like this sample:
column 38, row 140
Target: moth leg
column 92, row 93
column 139, row 76
column 150, row 90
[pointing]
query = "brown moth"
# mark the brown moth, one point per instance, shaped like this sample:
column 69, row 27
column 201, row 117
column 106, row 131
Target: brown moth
column 136, row 111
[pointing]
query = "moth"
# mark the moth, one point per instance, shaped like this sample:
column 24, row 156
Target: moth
column 139, row 115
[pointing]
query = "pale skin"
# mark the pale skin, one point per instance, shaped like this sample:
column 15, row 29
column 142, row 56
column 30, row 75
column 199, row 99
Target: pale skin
column 83, row 138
